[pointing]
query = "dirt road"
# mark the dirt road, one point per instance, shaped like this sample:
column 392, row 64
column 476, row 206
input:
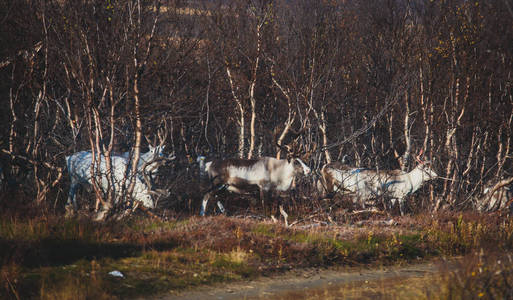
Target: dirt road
column 310, row 284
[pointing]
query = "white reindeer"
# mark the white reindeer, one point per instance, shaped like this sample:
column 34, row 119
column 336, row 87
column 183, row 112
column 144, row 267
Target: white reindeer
column 239, row 175
column 150, row 161
column 366, row 184
column 79, row 168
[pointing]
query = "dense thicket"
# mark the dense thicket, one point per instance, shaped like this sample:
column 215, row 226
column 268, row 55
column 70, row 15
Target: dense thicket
column 374, row 80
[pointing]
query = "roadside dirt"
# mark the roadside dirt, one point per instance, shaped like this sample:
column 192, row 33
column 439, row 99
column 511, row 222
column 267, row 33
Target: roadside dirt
column 299, row 284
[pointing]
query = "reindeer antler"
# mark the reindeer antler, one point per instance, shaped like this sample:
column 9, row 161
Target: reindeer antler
column 162, row 134
column 418, row 157
column 308, row 153
column 292, row 148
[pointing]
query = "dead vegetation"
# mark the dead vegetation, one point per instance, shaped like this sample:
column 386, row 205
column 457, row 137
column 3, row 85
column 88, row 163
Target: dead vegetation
column 50, row 257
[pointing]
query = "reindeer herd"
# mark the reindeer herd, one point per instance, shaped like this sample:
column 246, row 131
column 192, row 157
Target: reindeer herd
column 269, row 175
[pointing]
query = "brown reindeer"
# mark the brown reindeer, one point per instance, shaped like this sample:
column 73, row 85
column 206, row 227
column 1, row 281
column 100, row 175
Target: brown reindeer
column 240, row 175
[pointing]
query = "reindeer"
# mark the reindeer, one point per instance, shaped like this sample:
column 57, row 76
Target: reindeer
column 497, row 195
column 331, row 173
column 150, row 161
column 239, row 175
column 365, row 184
column 79, row 168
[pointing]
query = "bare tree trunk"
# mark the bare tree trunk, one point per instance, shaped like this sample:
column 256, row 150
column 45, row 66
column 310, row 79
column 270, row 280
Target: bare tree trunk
column 423, row 106
column 483, row 169
column 137, row 108
column 95, row 162
column 253, row 119
column 470, row 156
column 451, row 144
column 138, row 135
column 288, row 124
column 94, row 126
column 12, row 106
column 504, row 147
column 391, row 133
column 184, row 138
column 403, row 159
column 241, row 121
column 323, row 127
column 207, row 103
column 108, row 150
column 137, row 104
column 252, row 99
column 291, row 117
column 35, row 138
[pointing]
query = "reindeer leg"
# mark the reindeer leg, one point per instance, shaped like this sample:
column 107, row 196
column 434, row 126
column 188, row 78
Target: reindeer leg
column 221, row 207
column 148, row 212
column 262, row 199
column 71, row 196
column 71, row 205
column 285, row 215
column 214, row 190
column 391, row 204
column 401, row 206
column 509, row 205
column 204, row 204
column 387, row 204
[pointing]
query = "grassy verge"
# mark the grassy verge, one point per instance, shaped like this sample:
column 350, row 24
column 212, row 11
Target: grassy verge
column 50, row 258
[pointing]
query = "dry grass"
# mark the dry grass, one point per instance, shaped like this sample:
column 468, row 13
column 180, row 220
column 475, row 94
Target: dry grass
column 480, row 275
column 55, row 258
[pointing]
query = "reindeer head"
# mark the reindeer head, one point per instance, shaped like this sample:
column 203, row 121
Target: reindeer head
column 202, row 165
column 425, row 166
column 158, row 150
column 295, row 150
column 300, row 167
column 144, row 196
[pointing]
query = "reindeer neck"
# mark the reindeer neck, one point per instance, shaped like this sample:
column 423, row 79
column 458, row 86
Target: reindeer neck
column 144, row 157
column 203, row 167
column 417, row 176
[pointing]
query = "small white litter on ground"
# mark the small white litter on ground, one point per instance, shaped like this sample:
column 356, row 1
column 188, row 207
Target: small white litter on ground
column 116, row 274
